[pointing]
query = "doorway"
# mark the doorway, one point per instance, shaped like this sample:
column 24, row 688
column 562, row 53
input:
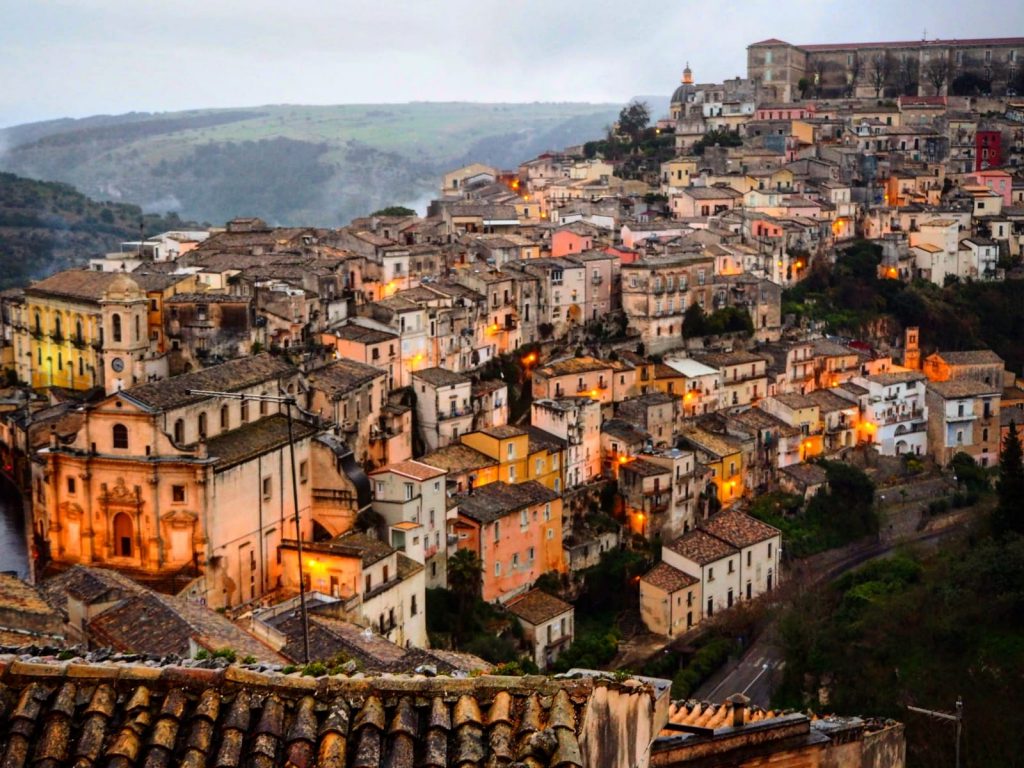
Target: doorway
column 122, row 535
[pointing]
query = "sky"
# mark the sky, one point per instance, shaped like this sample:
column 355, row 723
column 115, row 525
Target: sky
column 74, row 58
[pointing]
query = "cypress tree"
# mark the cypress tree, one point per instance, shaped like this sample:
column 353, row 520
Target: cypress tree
column 1007, row 515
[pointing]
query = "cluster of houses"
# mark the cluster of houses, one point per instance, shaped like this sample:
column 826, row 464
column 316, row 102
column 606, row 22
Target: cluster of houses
column 242, row 412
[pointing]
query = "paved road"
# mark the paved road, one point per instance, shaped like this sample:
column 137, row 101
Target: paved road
column 759, row 670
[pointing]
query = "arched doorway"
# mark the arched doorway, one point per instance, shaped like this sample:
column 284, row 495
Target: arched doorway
column 122, row 535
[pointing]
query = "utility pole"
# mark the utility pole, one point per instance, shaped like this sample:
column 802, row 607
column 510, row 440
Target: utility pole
column 288, row 401
column 957, row 718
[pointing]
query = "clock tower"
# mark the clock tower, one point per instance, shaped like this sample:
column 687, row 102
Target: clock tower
column 125, row 334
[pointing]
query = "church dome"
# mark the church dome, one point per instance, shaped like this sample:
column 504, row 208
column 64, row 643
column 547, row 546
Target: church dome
column 122, row 287
column 683, row 92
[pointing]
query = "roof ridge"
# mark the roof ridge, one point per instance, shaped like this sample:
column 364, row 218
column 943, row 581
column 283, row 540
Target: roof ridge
column 16, row 664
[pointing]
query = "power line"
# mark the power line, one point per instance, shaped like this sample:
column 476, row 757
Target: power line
column 957, row 718
column 288, row 401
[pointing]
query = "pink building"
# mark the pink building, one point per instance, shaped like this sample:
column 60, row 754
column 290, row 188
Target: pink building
column 566, row 242
column 1000, row 182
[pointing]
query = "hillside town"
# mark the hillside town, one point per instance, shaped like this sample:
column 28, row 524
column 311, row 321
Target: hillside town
column 292, row 444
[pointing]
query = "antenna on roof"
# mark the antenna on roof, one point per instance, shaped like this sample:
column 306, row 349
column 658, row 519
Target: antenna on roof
column 142, row 235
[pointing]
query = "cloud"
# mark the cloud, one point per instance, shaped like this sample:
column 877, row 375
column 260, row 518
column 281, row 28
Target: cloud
column 70, row 58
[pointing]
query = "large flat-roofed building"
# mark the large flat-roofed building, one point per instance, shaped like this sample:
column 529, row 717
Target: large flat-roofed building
column 846, row 69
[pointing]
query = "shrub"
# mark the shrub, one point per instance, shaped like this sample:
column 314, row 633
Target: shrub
column 705, row 661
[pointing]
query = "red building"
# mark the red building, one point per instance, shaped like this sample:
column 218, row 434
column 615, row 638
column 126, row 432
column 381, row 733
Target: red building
column 988, row 150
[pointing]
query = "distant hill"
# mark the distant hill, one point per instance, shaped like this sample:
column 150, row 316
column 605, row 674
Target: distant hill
column 290, row 164
column 46, row 226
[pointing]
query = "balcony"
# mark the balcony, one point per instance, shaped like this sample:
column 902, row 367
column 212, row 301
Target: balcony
column 456, row 413
column 596, row 280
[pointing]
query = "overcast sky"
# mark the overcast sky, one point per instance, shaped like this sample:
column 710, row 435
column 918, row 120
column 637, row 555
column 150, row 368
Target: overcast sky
column 81, row 57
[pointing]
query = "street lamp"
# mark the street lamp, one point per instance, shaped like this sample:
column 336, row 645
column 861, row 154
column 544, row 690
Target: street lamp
column 288, row 401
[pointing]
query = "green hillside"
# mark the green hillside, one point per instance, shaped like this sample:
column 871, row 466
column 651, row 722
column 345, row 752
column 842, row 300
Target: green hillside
column 45, row 227
column 290, row 164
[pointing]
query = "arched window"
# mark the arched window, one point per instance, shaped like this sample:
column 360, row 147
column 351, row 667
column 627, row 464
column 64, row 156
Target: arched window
column 81, row 367
column 202, row 425
column 136, row 338
column 39, row 325
column 120, row 433
column 78, row 331
column 116, row 330
column 224, row 417
column 57, row 330
column 179, row 431
column 245, row 411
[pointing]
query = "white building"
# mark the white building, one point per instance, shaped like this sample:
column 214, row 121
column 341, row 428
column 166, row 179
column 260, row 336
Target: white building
column 577, row 420
column 410, row 496
column 896, row 416
column 379, row 586
column 547, row 623
column 443, row 406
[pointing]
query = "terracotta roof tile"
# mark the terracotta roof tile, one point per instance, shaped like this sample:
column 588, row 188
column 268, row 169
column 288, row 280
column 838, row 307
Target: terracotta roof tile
column 701, row 547
column 231, row 376
column 666, row 577
column 495, row 500
column 739, row 529
column 237, row 717
column 537, row 606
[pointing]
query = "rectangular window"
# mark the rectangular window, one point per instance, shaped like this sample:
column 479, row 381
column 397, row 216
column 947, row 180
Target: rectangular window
column 530, row 554
column 511, row 450
column 380, row 489
column 497, row 530
column 524, row 519
column 267, row 489
column 515, row 560
column 408, row 491
column 547, row 511
column 711, row 574
column 178, row 494
column 497, row 569
column 303, row 471
column 71, row 485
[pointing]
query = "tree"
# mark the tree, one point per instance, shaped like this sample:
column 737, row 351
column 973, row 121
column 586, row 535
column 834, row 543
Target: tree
column 853, row 75
column 880, row 72
column 819, row 68
column 394, row 210
column 633, row 119
column 937, row 73
column 969, row 84
column 1007, row 514
column 907, row 75
column 804, row 85
column 464, row 575
column 694, row 321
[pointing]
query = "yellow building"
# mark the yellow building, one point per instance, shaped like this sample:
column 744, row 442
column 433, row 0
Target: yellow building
column 521, row 454
column 723, row 456
column 82, row 329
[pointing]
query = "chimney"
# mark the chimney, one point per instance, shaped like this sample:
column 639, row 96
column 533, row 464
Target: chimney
column 739, row 709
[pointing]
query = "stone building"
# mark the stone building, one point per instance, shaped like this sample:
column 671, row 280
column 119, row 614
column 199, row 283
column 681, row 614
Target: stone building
column 159, row 479
column 842, row 69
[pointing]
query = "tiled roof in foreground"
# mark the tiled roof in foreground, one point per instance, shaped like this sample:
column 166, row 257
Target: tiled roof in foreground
column 123, row 714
